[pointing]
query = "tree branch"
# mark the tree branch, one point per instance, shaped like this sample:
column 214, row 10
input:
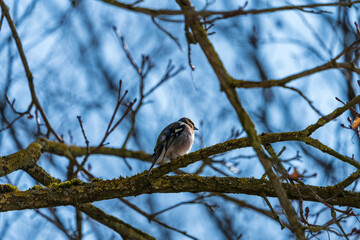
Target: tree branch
column 29, row 75
column 225, row 14
column 192, row 20
column 125, row 230
column 74, row 192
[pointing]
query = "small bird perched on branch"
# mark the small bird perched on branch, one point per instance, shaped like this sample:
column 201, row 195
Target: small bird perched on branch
column 174, row 141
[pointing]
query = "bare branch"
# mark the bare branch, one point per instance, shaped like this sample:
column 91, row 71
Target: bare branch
column 77, row 193
column 228, row 14
column 29, row 75
column 110, row 127
column 168, row 33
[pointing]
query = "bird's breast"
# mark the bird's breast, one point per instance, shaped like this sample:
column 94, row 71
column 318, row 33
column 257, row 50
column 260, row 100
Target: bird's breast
column 181, row 146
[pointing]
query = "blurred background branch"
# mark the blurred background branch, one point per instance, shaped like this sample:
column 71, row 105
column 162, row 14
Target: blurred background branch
column 62, row 138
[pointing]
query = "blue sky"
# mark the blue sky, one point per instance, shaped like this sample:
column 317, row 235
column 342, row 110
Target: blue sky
column 69, row 49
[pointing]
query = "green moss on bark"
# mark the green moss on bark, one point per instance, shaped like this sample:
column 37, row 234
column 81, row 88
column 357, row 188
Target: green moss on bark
column 6, row 188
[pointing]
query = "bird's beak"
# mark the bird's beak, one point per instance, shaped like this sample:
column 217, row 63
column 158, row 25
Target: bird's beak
column 195, row 128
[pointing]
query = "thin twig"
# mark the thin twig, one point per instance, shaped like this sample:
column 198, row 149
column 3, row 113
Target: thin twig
column 150, row 218
column 124, row 46
column 29, row 75
column 110, row 127
column 83, row 132
column 168, row 33
column 145, row 67
column 55, row 220
column 190, row 40
column 196, row 200
column 169, row 73
column 275, row 216
column 305, row 98
column 228, row 14
column 20, row 114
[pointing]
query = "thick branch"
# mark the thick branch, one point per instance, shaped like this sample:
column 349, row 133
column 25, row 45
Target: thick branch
column 192, row 21
column 21, row 159
column 69, row 193
column 125, row 230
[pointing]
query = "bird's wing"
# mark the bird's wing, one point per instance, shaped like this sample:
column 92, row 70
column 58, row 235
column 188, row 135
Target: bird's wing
column 165, row 140
column 167, row 135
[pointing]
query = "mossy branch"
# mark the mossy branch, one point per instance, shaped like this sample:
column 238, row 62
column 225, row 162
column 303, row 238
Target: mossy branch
column 73, row 194
column 125, row 230
column 21, row 159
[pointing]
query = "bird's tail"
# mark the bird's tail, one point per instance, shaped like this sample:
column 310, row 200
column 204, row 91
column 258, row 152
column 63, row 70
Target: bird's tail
column 157, row 157
column 152, row 165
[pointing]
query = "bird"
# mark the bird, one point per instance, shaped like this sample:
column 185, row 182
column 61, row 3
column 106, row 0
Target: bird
column 174, row 141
